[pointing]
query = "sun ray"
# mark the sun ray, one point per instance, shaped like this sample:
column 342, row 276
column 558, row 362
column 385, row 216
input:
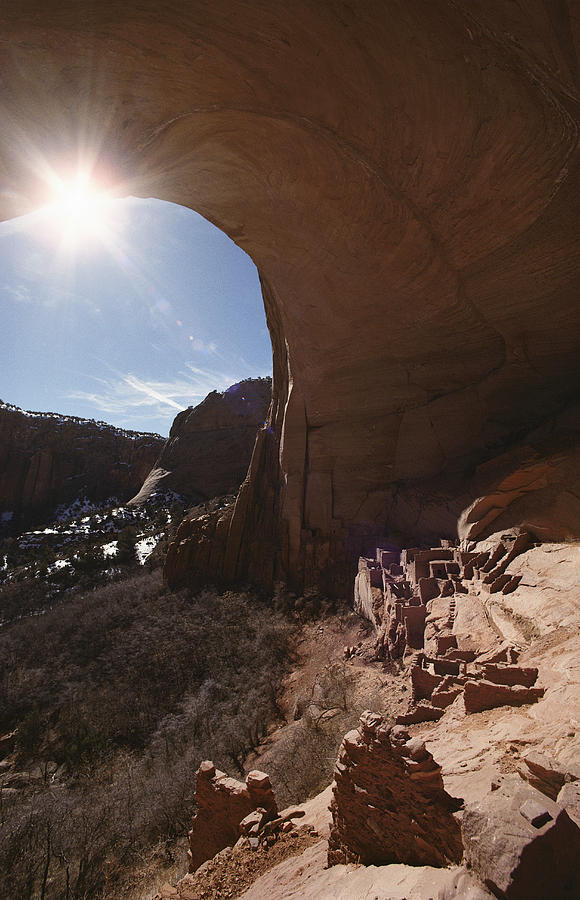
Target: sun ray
column 79, row 211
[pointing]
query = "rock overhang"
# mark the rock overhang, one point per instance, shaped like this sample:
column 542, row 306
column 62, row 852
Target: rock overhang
column 404, row 177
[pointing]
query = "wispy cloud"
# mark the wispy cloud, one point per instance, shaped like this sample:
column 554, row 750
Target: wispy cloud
column 19, row 293
column 41, row 292
column 129, row 395
column 152, row 392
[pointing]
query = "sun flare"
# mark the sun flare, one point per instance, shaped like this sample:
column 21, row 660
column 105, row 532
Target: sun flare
column 79, row 211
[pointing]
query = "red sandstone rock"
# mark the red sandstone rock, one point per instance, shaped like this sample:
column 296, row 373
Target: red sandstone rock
column 445, row 666
column 511, row 585
column 443, row 698
column 210, row 445
column 423, row 711
column 510, row 674
column 388, row 801
column 198, row 547
column 569, row 799
column 424, row 682
column 408, row 169
column 222, row 803
column 521, row 844
column 445, row 642
column 495, row 584
column 545, row 774
column 506, row 653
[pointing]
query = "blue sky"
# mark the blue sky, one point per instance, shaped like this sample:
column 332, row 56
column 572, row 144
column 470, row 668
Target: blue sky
column 132, row 329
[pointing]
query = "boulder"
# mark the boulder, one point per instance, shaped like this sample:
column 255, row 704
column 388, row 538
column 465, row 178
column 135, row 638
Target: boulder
column 569, row 799
column 521, row 844
column 545, row 774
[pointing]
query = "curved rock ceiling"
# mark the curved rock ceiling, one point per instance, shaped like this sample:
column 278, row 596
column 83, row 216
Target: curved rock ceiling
column 405, row 176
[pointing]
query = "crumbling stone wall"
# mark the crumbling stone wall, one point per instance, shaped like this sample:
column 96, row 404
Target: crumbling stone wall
column 222, row 803
column 389, row 804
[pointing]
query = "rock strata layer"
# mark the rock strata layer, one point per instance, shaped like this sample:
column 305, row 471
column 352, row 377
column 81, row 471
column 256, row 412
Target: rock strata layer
column 389, row 804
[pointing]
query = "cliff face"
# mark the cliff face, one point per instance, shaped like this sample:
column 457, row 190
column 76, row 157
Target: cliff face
column 210, row 445
column 48, row 459
column 405, row 176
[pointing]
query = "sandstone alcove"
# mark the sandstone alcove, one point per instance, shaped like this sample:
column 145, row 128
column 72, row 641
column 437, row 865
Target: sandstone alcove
column 405, row 177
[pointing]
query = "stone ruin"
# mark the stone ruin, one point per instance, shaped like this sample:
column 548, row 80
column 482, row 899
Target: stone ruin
column 222, row 804
column 389, row 804
column 392, row 591
column 232, row 813
column 397, row 592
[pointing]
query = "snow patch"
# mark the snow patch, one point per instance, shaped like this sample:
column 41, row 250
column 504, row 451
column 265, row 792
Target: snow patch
column 145, row 547
column 110, row 549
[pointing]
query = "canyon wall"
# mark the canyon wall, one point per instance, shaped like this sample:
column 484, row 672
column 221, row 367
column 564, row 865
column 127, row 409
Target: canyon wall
column 47, row 460
column 210, row 445
column 405, row 175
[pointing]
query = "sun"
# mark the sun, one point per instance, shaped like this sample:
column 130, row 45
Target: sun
column 79, row 211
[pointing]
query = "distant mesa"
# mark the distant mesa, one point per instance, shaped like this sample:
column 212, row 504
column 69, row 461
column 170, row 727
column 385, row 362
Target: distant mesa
column 47, row 460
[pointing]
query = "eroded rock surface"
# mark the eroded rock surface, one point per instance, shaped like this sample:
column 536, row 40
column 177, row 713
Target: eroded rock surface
column 405, row 176
column 210, row 445
column 522, row 844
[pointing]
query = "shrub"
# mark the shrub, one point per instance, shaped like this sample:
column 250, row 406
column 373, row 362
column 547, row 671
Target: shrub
column 134, row 686
column 29, row 732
